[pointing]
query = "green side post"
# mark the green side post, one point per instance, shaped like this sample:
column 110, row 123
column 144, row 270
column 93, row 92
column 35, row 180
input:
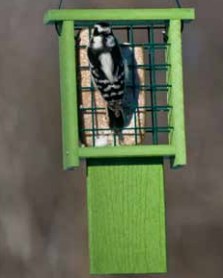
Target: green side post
column 175, row 94
column 126, row 216
column 68, row 96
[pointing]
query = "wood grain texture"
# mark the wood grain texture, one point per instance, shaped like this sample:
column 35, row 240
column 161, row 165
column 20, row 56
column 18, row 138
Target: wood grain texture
column 126, row 216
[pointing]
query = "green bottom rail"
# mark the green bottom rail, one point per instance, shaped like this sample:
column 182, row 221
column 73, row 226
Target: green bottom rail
column 127, row 151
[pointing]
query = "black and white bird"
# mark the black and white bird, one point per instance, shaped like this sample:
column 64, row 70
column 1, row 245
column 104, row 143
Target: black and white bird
column 108, row 71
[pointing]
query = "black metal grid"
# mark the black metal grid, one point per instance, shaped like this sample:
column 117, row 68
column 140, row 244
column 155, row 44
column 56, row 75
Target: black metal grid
column 156, row 87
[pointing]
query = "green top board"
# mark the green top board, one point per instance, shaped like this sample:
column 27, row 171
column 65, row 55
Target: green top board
column 118, row 14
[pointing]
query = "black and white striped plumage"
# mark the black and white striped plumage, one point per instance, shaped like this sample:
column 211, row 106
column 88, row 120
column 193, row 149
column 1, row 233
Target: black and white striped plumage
column 108, row 71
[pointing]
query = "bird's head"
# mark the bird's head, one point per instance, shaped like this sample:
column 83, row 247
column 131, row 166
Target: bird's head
column 102, row 37
column 102, row 29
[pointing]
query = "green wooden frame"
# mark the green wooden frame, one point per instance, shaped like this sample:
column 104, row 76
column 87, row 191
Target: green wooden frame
column 118, row 14
column 72, row 152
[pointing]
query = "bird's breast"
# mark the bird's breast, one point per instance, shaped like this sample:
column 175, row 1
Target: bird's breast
column 107, row 65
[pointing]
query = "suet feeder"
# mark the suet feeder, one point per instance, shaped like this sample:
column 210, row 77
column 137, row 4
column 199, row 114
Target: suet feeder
column 125, row 183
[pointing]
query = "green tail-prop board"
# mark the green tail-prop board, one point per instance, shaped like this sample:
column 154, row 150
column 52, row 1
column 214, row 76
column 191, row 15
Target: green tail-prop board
column 126, row 216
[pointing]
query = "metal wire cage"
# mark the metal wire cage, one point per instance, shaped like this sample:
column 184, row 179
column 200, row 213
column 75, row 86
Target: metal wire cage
column 163, row 86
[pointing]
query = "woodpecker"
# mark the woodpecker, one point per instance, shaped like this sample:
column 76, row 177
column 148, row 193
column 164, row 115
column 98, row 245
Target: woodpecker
column 108, row 72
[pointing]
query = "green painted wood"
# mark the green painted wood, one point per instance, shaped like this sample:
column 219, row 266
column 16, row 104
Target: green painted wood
column 118, row 14
column 126, row 216
column 175, row 94
column 68, row 96
column 126, row 151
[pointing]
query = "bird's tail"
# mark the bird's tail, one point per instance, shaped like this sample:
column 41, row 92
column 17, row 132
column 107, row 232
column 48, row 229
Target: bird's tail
column 116, row 119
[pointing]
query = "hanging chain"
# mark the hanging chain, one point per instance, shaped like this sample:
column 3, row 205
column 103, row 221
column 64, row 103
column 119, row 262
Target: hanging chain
column 165, row 32
column 60, row 4
column 178, row 4
column 58, row 24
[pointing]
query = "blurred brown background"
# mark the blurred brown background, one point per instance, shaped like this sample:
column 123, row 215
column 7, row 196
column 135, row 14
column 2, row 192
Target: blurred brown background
column 43, row 226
